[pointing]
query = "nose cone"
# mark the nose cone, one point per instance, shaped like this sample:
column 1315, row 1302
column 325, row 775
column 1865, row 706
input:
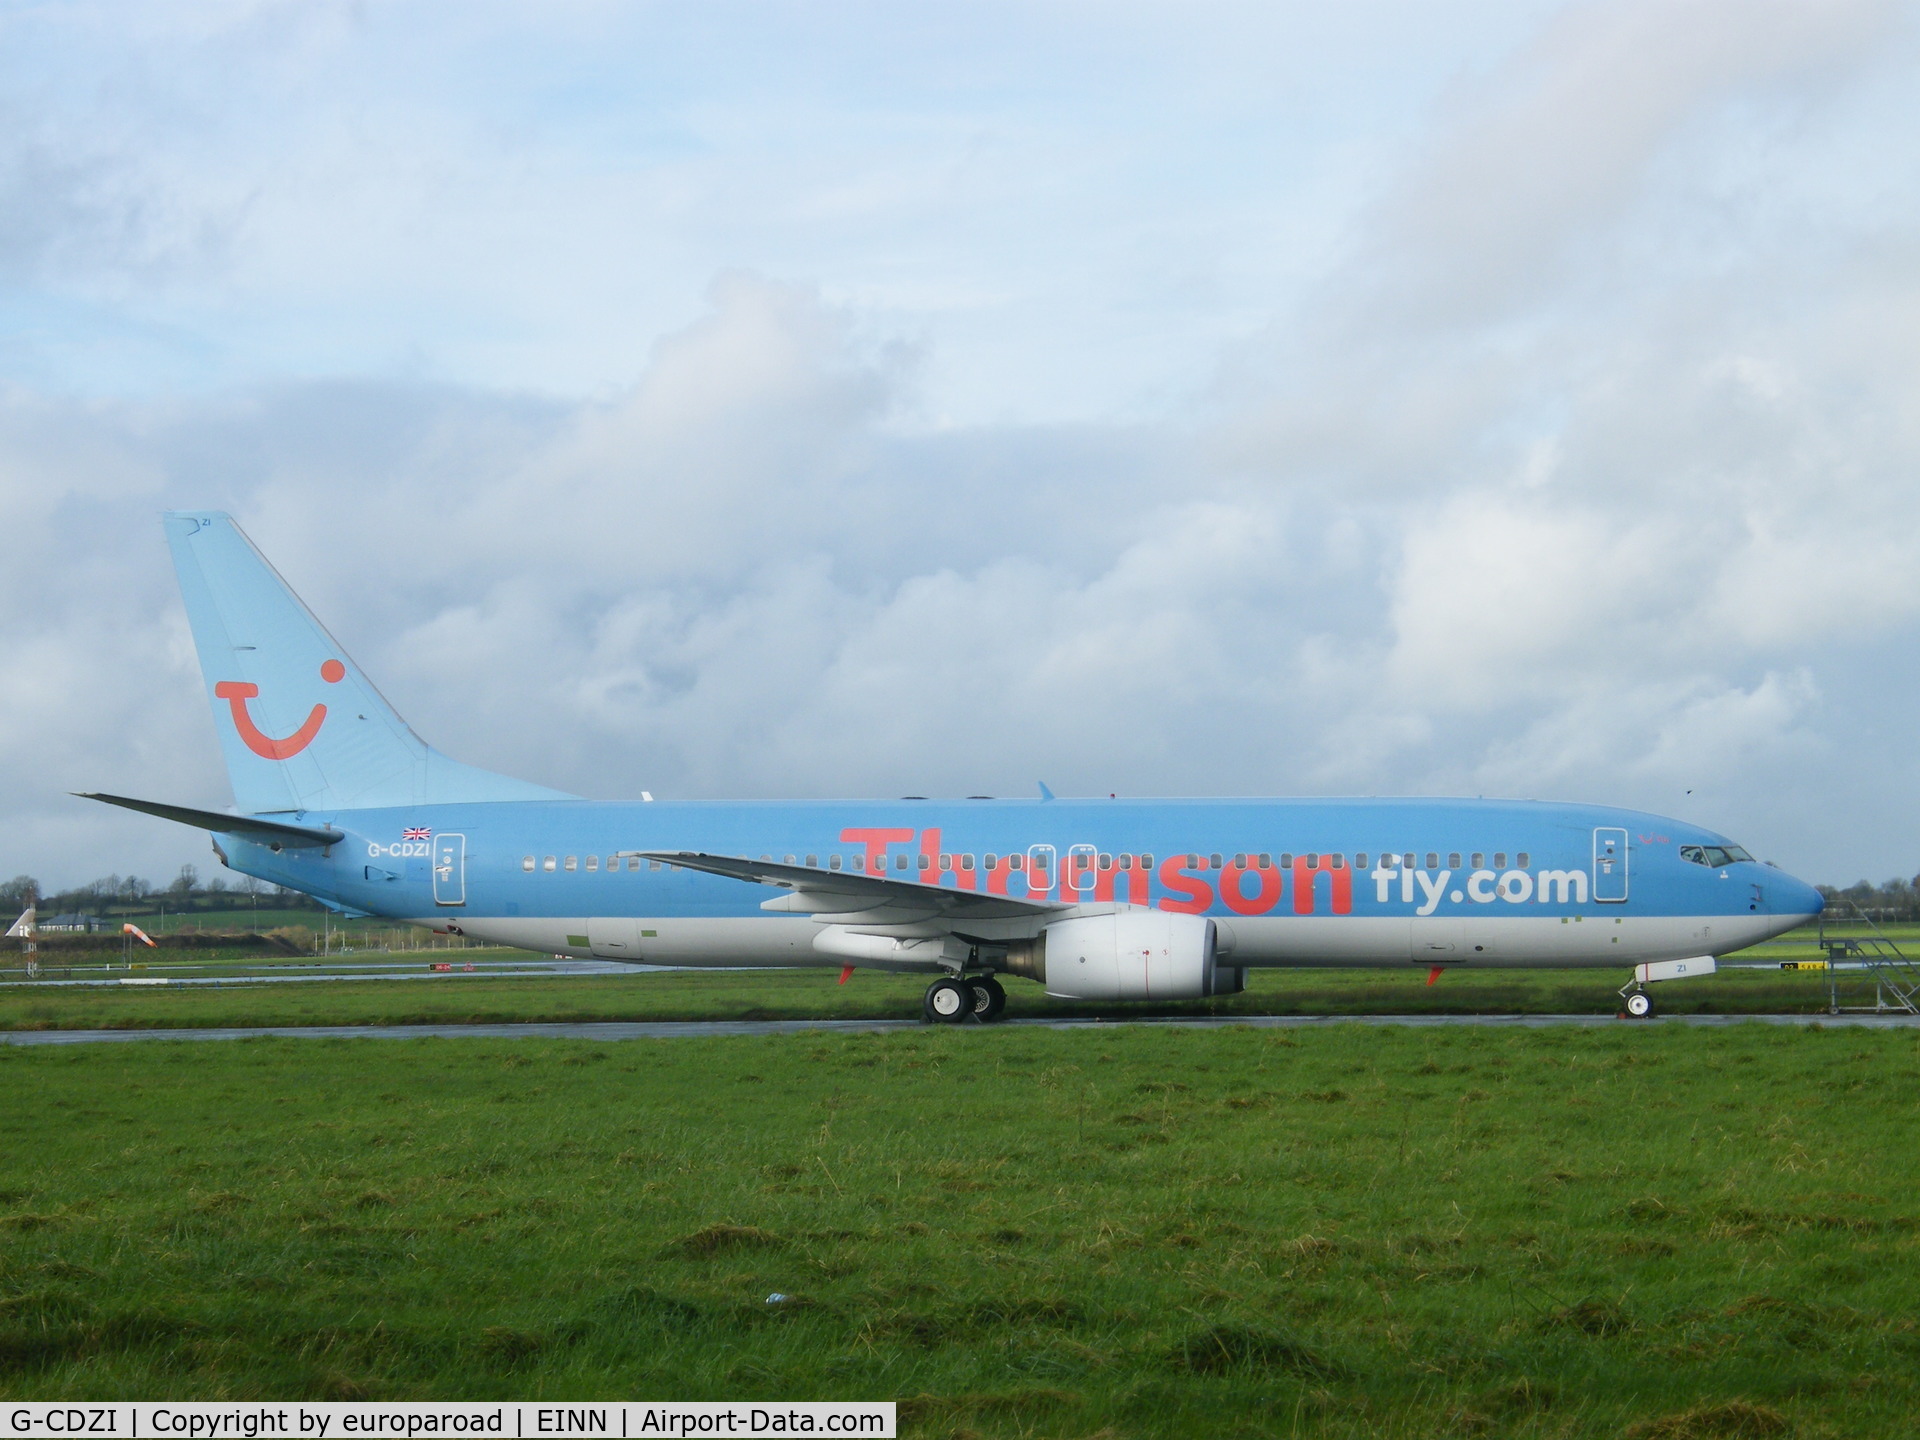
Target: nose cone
column 1795, row 897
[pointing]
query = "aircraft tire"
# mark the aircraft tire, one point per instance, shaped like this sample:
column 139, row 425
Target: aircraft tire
column 989, row 999
column 1639, row 1005
column 948, row 1001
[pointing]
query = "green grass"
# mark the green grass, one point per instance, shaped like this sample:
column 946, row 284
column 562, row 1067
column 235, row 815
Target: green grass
column 1642, row 1230
column 813, row 994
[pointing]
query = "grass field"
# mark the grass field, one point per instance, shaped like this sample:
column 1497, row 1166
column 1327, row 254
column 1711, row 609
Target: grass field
column 1643, row 1231
column 811, row 994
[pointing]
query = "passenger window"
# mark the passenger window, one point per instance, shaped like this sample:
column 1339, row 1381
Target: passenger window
column 1479, row 860
column 813, row 861
column 549, row 863
column 593, row 862
column 833, row 862
column 1193, row 862
column 966, row 862
column 1213, row 862
column 946, row 861
column 1524, row 860
column 1339, row 861
column 1264, row 860
column 1499, row 859
column 1126, row 862
column 651, row 865
column 791, row 860
column 1240, row 862
column 899, row 862
column 573, row 862
column 1016, row 862
column 1433, row 860
column 1286, row 862
column 633, row 862
column 1106, row 862
column 859, row 862
column 1360, row 861
column 527, row 864
column 1146, row 862
column 1408, row 861
column 925, row 863
column 1453, row 859
column 613, row 863
column 990, row 861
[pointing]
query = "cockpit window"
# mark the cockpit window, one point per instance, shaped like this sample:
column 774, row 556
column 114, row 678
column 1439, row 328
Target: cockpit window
column 1714, row 855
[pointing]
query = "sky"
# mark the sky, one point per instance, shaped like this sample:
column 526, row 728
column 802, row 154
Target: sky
column 730, row 400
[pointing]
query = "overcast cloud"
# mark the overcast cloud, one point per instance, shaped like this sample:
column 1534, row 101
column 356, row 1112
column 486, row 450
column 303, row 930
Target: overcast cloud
column 1504, row 398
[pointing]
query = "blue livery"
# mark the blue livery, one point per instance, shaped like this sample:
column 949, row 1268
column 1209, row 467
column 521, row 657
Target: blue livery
column 1107, row 899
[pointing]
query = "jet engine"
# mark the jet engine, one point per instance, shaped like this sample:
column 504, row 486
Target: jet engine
column 1128, row 955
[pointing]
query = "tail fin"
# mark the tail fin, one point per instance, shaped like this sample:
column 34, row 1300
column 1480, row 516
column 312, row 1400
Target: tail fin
column 301, row 727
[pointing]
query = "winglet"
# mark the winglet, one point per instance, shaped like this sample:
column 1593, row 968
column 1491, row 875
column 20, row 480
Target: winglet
column 1045, row 793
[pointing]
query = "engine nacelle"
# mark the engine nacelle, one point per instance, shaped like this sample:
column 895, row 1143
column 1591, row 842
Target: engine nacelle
column 1129, row 955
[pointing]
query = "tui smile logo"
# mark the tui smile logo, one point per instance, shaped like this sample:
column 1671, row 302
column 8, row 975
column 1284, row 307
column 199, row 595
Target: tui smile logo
column 237, row 692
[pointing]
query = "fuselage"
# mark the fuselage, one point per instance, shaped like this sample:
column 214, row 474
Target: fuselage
column 1288, row 882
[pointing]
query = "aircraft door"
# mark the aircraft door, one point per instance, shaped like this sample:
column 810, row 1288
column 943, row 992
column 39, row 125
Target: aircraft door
column 1077, row 876
column 449, row 869
column 1039, row 871
column 1609, row 864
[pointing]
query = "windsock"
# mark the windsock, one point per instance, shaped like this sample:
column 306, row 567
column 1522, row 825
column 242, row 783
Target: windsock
column 134, row 930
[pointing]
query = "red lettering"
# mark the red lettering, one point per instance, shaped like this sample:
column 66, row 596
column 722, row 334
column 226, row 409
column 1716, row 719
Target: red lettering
column 1233, row 890
column 998, row 875
column 1199, row 894
column 933, row 875
column 876, row 841
column 1339, row 884
column 1104, row 882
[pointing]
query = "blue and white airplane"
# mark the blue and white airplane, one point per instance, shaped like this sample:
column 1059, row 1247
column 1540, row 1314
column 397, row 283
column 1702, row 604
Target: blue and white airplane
column 1095, row 899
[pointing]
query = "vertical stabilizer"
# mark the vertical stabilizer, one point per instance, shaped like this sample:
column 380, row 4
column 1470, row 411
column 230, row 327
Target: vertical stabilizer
column 300, row 726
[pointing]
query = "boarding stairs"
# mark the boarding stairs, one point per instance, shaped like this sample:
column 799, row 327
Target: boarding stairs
column 1870, row 954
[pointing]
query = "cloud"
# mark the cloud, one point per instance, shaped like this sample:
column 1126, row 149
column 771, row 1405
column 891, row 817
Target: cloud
column 1584, row 465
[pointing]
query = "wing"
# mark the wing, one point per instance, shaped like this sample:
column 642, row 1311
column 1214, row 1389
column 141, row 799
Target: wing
column 849, row 897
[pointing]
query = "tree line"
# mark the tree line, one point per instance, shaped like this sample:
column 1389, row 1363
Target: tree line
column 128, row 895
column 1889, row 900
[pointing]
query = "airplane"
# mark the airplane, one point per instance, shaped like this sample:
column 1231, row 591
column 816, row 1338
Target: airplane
column 1096, row 900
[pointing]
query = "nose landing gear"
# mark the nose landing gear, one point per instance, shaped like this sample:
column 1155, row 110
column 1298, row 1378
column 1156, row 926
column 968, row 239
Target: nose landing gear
column 955, row 999
column 1635, row 1003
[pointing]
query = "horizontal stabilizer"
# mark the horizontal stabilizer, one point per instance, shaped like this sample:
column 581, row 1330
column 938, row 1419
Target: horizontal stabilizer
column 266, row 832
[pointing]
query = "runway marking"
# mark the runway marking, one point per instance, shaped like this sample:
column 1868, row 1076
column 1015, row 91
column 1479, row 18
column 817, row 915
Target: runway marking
column 673, row 1029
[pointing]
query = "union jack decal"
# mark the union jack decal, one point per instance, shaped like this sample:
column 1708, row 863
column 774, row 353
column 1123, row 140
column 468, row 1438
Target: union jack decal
column 416, row 834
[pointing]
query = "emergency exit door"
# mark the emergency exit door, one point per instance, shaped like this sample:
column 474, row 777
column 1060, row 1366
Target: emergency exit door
column 450, row 870
column 1609, row 864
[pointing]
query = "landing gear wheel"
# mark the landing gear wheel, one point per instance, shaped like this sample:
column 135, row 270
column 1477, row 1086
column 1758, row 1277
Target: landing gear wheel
column 949, row 1001
column 989, row 998
column 1639, row 1005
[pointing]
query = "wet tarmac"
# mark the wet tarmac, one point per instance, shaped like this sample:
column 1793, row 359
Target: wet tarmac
column 679, row 1029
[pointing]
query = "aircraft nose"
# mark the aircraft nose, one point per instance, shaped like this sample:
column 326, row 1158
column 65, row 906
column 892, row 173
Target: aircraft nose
column 1796, row 897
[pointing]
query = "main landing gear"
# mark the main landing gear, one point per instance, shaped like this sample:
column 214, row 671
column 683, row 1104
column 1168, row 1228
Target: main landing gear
column 956, row 999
